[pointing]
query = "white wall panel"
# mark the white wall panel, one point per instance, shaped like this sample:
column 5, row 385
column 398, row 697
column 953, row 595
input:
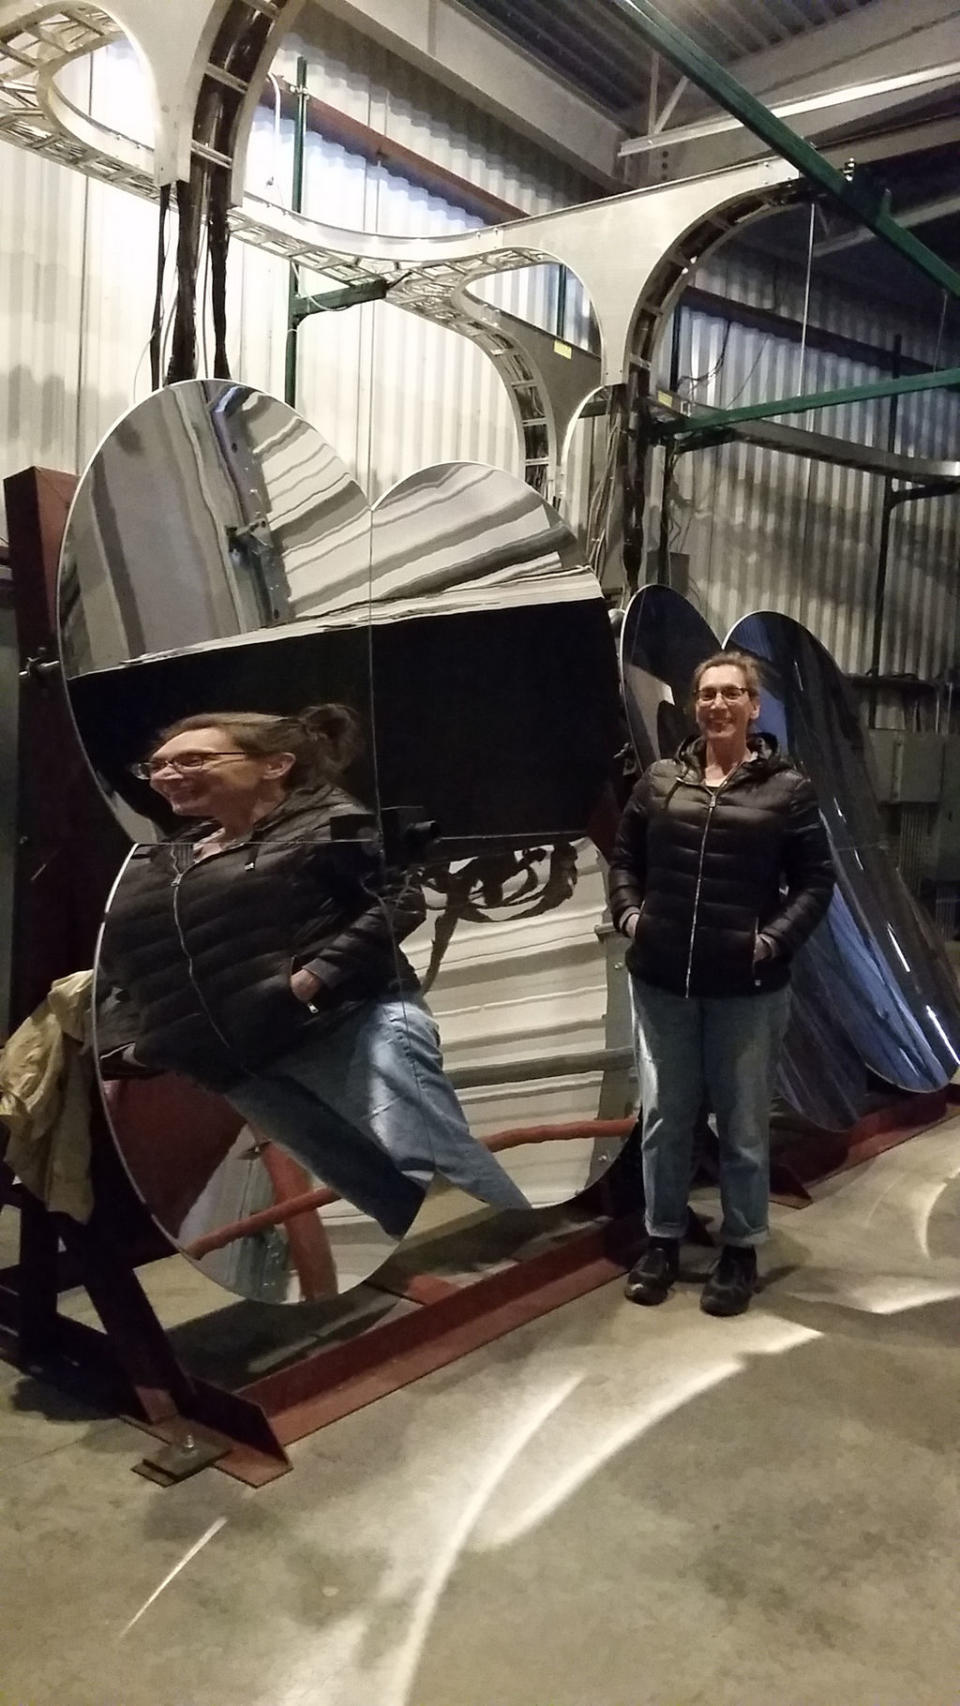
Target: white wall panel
column 391, row 392
column 41, row 308
column 77, row 269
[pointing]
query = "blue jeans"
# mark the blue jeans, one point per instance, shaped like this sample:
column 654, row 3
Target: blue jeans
column 722, row 1051
column 368, row 1108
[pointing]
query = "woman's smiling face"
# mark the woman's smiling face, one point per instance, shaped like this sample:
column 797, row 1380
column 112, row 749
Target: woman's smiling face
column 202, row 773
column 725, row 707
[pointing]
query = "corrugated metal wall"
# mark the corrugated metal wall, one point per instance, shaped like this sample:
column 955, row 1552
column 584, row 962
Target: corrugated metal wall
column 764, row 530
column 393, row 393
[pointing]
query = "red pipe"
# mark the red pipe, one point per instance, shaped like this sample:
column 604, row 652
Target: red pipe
column 555, row 1133
column 307, row 1236
column 309, row 1201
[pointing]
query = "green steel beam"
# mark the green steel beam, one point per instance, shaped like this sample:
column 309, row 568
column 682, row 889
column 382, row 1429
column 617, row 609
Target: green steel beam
column 862, row 201
column 331, row 301
column 719, row 419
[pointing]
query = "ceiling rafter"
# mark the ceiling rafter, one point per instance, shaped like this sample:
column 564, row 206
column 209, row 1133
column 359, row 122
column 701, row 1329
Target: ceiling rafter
column 591, row 45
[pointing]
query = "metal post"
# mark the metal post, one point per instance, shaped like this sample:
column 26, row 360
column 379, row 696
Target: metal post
column 883, row 553
column 561, row 321
column 296, row 203
column 653, row 94
column 669, row 460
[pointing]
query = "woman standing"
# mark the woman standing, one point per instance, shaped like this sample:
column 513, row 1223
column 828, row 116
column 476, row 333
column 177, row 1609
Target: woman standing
column 721, row 870
column 257, row 953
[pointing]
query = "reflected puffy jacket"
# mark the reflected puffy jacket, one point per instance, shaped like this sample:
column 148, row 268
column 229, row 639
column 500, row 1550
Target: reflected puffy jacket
column 709, row 869
column 197, row 955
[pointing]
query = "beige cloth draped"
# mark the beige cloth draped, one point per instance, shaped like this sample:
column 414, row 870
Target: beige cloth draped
column 46, row 1075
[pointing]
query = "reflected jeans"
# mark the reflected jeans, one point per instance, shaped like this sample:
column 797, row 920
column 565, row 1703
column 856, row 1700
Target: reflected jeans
column 724, row 1051
column 368, row 1108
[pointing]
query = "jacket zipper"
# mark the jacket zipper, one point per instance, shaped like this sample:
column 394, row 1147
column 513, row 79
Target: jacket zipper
column 714, row 796
column 696, row 897
column 178, row 879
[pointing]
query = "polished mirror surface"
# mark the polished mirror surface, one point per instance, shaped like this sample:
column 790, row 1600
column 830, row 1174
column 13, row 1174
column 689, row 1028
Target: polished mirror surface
column 212, row 521
column 463, row 609
column 662, row 640
column 487, row 589
column 328, row 750
column 524, row 979
column 896, row 966
column 464, row 536
column 253, row 989
column 244, row 963
column 821, row 1074
column 210, row 511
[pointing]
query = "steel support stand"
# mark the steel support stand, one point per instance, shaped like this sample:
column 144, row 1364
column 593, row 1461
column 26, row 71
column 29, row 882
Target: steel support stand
column 296, row 203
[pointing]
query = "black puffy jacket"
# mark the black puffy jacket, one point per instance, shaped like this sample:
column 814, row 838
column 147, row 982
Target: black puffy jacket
column 196, row 955
column 710, row 868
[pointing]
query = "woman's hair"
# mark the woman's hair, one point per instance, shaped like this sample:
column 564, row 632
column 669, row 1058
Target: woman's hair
column 324, row 739
column 740, row 660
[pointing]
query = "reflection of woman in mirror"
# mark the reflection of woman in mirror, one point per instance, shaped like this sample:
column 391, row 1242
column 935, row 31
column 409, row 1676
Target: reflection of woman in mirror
column 257, row 954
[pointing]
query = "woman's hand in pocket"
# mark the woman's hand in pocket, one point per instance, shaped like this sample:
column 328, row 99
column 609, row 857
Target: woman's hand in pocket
column 304, row 986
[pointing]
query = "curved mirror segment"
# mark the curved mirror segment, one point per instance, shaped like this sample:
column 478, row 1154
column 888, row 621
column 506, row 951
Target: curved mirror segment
column 209, row 512
column 907, row 1017
column 312, row 795
column 662, row 640
column 821, row 1074
column 492, row 640
column 219, row 557
column 464, row 536
column 125, row 715
column 524, row 982
column 212, row 522
column 236, row 1097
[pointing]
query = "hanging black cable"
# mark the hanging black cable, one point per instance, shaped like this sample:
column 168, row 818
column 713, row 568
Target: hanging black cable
column 156, row 329
column 183, row 350
column 635, row 445
column 203, row 199
column 218, row 239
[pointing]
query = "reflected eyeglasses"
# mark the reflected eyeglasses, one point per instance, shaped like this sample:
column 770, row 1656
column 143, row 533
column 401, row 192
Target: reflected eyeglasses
column 729, row 695
column 185, row 764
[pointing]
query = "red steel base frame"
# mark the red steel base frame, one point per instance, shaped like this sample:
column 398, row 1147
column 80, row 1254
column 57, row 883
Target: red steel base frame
column 134, row 1366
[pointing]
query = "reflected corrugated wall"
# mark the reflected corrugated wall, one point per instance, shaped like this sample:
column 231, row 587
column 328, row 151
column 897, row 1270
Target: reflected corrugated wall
column 390, row 391
column 767, row 530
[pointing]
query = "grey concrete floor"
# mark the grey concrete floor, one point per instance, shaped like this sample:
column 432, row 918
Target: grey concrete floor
column 610, row 1507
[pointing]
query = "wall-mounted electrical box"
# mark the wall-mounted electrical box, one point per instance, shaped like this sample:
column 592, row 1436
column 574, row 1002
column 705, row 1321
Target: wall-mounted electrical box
column 947, row 859
column 909, row 767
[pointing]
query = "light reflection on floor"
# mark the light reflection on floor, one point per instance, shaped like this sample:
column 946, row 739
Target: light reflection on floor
column 602, row 1470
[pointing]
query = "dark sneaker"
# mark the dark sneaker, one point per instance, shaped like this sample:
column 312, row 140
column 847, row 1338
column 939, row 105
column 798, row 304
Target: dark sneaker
column 732, row 1283
column 650, row 1281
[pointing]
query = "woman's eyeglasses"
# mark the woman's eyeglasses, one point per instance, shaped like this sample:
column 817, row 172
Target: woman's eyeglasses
column 185, row 763
column 729, row 695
